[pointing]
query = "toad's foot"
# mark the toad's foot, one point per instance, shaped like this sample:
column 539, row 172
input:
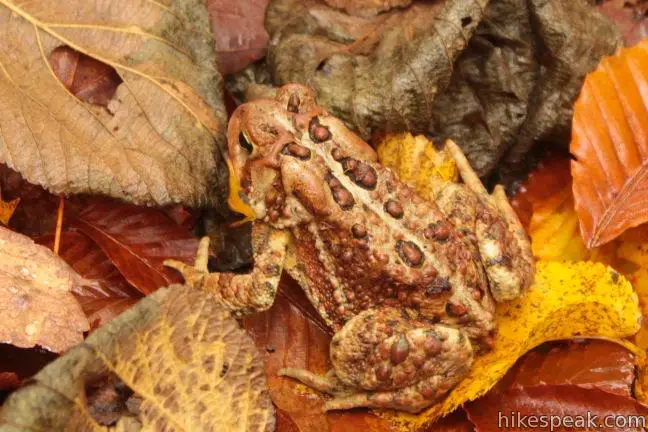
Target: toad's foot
column 382, row 359
column 194, row 276
column 503, row 245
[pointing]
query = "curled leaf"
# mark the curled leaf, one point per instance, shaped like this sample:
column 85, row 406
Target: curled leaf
column 186, row 359
column 36, row 305
column 567, row 300
column 610, row 144
column 159, row 139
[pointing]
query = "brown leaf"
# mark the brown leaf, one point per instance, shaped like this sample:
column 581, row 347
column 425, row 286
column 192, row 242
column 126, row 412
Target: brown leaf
column 571, row 379
column 36, row 307
column 238, row 30
column 367, row 7
column 138, row 240
column 610, row 144
column 159, row 140
column 630, row 16
column 188, row 361
column 291, row 340
column 496, row 76
column 108, row 294
column 86, row 78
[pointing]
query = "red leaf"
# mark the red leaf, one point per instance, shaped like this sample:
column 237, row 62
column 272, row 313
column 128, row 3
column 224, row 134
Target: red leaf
column 239, row 31
column 86, row 78
column 110, row 294
column 553, row 400
column 138, row 240
column 571, row 379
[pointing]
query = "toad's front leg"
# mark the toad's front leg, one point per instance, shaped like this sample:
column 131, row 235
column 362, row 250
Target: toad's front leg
column 503, row 245
column 382, row 359
column 242, row 293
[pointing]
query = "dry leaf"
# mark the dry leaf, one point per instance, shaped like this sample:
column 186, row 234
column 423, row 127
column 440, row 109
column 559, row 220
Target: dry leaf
column 138, row 240
column 496, row 76
column 567, row 300
column 631, row 16
column 36, row 306
column 238, row 30
column 188, row 360
column 7, row 210
column 610, row 144
column 159, row 140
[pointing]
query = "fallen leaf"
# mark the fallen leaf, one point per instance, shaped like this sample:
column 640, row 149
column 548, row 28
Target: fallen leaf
column 158, row 142
column 610, row 146
column 138, row 240
column 36, row 306
column 567, row 379
column 593, row 364
column 556, row 403
column 238, row 30
column 86, row 78
column 496, row 76
column 630, row 16
column 416, row 161
column 7, row 210
column 367, row 7
column 185, row 357
column 567, row 300
column 108, row 293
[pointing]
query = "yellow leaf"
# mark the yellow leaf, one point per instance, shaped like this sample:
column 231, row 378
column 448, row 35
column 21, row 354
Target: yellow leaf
column 187, row 359
column 7, row 210
column 416, row 161
column 567, row 300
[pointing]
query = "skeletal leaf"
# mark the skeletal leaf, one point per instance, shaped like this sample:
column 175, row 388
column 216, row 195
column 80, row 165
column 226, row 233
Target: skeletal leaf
column 159, row 139
column 191, row 364
column 567, row 300
column 36, row 305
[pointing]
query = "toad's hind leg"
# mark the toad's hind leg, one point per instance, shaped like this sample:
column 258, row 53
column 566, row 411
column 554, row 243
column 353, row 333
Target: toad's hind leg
column 503, row 245
column 382, row 359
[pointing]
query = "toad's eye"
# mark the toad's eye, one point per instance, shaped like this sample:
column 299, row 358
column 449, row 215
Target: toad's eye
column 243, row 142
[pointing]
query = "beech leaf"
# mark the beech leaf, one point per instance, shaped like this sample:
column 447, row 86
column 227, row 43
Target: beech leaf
column 571, row 379
column 187, row 359
column 108, row 294
column 36, row 306
column 138, row 240
column 610, row 144
column 159, row 140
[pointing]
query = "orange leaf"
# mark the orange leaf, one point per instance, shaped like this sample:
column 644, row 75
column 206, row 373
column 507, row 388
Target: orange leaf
column 610, row 143
column 7, row 210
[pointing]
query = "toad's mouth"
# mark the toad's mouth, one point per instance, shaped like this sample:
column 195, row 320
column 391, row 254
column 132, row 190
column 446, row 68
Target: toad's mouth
column 237, row 200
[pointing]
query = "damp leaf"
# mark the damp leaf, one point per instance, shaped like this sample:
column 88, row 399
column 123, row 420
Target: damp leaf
column 610, row 145
column 36, row 303
column 187, row 359
column 159, row 139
